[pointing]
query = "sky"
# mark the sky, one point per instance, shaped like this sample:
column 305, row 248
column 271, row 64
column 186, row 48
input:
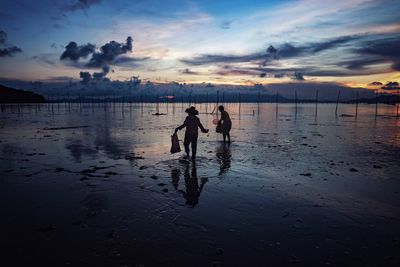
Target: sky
column 353, row 42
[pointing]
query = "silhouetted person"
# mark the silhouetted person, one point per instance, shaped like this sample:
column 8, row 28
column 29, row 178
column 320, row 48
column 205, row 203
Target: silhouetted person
column 226, row 123
column 192, row 123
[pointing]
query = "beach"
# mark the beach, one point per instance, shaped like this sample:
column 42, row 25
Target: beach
column 96, row 185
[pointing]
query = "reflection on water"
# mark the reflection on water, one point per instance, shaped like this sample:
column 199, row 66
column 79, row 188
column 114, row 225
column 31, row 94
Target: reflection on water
column 223, row 153
column 192, row 188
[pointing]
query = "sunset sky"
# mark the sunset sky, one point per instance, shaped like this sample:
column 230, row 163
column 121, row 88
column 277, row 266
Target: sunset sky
column 351, row 42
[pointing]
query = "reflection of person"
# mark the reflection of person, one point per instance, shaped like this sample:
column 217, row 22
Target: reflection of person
column 193, row 190
column 224, row 155
column 192, row 123
column 226, row 123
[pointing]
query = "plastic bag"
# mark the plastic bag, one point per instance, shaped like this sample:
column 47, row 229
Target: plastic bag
column 219, row 127
column 175, row 147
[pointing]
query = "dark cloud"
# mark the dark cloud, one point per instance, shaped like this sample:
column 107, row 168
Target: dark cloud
column 391, row 86
column 7, row 51
column 96, row 76
column 215, row 59
column 376, row 84
column 100, row 75
column 85, row 76
column 298, row 76
column 74, row 52
column 129, row 61
column 109, row 52
column 226, row 25
column 284, row 51
column 80, row 5
column 386, row 49
column 3, row 37
column 188, row 71
column 60, row 78
column 359, row 64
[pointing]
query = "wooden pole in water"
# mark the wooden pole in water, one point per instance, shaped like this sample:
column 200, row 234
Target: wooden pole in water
column 52, row 104
column 207, row 103
column 240, row 105
column 276, row 102
column 173, row 103
column 337, row 103
column 398, row 100
column 316, row 103
column 141, row 100
column 356, row 103
column 157, row 105
column 114, row 102
column 295, row 101
column 217, row 101
column 376, row 103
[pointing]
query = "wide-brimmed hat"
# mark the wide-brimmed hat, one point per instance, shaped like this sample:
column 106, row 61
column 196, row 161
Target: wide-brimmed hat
column 192, row 111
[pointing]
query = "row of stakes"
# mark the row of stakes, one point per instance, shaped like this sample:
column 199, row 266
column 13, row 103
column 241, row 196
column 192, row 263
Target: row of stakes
column 69, row 103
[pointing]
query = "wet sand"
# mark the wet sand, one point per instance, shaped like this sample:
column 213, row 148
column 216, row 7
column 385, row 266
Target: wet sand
column 98, row 187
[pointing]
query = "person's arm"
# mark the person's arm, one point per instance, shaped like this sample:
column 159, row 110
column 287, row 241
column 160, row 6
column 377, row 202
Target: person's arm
column 202, row 128
column 182, row 126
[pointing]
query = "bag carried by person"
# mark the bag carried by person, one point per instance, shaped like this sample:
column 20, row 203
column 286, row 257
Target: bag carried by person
column 175, row 147
column 219, row 127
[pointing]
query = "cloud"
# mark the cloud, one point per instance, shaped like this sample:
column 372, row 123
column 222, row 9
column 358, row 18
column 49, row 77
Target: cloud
column 60, row 78
column 74, row 52
column 96, row 76
column 385, row 49
column 3, row 37
column 188, row 71
column 284, row 51
column 226, row 25
column 100, row 75
column 391, row 86
column 80, row 5
column 215, row 59
column 7, row 51
column 110, row 53
column 376, row 84
column 129, row 61
column 85, row 76
column 298, row 76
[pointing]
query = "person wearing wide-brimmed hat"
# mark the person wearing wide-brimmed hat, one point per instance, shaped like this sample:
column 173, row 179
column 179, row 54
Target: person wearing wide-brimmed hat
column 192, row 123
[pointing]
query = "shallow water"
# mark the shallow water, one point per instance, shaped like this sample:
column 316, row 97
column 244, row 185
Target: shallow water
column 96, row 185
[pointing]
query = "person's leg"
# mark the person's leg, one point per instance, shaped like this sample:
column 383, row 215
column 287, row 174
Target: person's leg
column 194, row 148
column 186, row 142
column 224, row 136
column 229, row 137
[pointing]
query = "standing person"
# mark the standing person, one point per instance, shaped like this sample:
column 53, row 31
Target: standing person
column 226, row 123
column 192, row 123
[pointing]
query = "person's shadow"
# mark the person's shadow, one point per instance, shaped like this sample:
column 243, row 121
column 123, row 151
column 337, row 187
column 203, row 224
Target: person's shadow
column 192, row 188
column 224, row 156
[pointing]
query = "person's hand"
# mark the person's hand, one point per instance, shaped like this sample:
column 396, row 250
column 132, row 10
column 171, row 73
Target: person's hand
column 206, row 130
column 176, row 130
